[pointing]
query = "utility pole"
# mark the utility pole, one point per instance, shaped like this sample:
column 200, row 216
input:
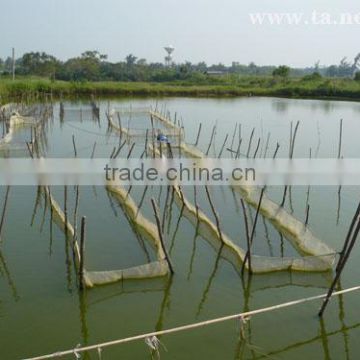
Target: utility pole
column 13, row 63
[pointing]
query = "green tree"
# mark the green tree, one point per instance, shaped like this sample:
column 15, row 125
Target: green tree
column 357, row 76
column 130, row 60
column 86, row 67
column 38, row 63
column 282, row 71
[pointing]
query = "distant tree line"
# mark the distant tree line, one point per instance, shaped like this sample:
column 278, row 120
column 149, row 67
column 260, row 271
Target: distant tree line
column 94, row 66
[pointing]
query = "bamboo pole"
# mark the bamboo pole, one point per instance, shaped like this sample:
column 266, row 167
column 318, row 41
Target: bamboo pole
column 238, row 149
column 157, row 217
column 142, row 200
column 146, row 142
column 284, row 196
column 248, row 253
column 223, row 145
column 93, row 150
column 233, row 137
column 293, row 140
column 165, row 208
column 74, row 145
column 29, row 149
column 243, row 315
column 65, row 209
column 340, row 138
column 4, row 210
column 211, row 140
column 267, row 145
column 119, row 149
column 250, row 141
column 130, row 151
column 276, row 150
column 82, row 253
column 257, row 148
column 341, row 268
column 113, row 152
column 348, row 237
column 76, row 211
column 198, row 135
column 247, row 233
column 180, row 143
column 307, row 215
column 215, row 213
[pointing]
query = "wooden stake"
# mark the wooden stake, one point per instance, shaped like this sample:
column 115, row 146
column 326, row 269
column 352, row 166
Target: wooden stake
column 65, row 209
column 248, row 253
column 293, row 140
column 276, row 150
column 82, row 253
column 211, row 139
column 223, row 145
column 93, row 150
column 233, row 138
column 340, row 138
column 284, row 196
column 257, row 148
column 307, row 214
column 29, row 149
column 215, row 213
column 113, row 152
column 4, row 210
column 198, row 135
column 348, row 236
column 119, row 149
column 238, row 149
column 157, row 217
column 250, row 141
column 247, row 234
column 76, row 211
column 341, row 268
column 146, row 141
column 74, row 145
column 130, row 151
column 267, row 144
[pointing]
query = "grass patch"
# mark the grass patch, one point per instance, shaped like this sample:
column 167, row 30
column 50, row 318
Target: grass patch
column 242, row 86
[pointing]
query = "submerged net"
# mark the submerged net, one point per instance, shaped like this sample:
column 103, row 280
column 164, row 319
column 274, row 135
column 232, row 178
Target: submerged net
column 15, row 116
column 145, row 227
column 144, row 127
column 316, row 255
column 236, row 255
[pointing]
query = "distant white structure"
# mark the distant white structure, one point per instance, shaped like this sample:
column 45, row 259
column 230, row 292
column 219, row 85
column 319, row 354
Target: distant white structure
column 169, row 59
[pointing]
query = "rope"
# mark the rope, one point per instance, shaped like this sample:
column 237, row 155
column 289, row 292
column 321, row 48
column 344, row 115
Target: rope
column 244, row 315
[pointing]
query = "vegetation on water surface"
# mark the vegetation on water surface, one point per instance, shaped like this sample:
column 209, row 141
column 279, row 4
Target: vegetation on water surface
column 310, row 86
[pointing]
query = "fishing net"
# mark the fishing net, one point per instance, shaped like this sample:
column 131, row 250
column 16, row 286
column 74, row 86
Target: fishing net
column 143, row 125
column 144, row 226
column 316, row 255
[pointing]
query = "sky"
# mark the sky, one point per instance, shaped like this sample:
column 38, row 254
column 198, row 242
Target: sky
column 200, row 30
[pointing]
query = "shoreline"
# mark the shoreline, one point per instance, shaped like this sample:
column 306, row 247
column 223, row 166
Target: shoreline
column 335, row 90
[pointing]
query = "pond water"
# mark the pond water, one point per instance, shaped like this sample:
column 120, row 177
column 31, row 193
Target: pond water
column 42, row 311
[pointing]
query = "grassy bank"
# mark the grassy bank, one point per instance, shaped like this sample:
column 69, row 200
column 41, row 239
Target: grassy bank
column 246, row 86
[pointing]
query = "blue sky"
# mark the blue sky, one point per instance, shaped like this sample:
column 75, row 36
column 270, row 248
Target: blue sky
column 209, row 30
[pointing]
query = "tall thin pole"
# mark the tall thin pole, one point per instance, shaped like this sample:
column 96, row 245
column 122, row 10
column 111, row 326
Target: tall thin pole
column 13, row 63
column 4, row 209
column 158, row 223
column 82, row 253
column 340, row 138
column 342, row 263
